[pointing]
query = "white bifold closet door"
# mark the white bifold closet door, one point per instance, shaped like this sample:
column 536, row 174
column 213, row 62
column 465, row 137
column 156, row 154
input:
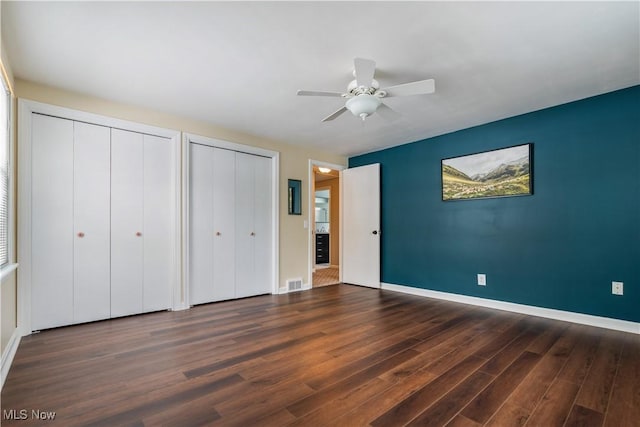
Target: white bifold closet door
column 253, row 225
column 229, row 224
column 127, row 206
column 70, row 222
column 141, row 215
column 52, row 231
column 103, row 205
column 158, row 219
column 212, row 224
column 91, row 212
column 263, row 224
column 201, row 233
column 224, row 239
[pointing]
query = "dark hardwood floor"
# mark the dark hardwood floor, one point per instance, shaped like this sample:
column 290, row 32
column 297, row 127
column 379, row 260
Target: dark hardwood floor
column 332, row 356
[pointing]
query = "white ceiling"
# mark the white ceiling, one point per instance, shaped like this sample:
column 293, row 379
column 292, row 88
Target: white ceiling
column 239, row 64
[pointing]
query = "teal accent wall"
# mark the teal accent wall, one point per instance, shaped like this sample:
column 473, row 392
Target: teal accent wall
column 559, row 248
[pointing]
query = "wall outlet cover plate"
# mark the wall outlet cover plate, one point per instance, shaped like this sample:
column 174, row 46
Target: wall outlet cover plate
column 617, row 288
column 482, row 280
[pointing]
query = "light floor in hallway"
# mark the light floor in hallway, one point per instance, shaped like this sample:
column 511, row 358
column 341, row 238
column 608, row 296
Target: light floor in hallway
column 326, row 276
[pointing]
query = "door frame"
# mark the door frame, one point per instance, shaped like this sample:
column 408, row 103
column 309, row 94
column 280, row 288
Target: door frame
column 311, row 215
column 28, row 107
column 188, row 138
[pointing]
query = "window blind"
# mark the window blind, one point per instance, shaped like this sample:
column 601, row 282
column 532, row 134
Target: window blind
column 5, row 120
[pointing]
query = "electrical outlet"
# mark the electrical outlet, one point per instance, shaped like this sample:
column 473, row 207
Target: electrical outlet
column 617, row 288
column 482, row 280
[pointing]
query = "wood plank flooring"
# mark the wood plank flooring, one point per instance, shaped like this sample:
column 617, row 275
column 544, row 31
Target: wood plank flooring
column 332, row 356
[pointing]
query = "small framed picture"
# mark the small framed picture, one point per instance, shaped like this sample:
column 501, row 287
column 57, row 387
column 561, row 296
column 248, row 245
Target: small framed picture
column 295, row 195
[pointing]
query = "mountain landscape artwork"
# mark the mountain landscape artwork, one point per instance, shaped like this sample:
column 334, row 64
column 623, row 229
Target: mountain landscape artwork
column 497, row 173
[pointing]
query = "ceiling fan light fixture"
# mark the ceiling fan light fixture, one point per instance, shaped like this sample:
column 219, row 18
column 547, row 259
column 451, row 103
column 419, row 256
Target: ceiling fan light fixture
column 363, row 105
column 364, row 95
column 324, row 170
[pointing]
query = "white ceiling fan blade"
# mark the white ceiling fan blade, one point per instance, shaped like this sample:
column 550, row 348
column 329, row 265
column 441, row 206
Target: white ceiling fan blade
column 388, row 113
column 317, row 93
column 364, row 70
column 334, row 115
column 414, row 88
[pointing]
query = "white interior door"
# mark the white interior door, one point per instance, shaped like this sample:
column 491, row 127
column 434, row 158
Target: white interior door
column 51, row 222
column 158, row 223
column 361, row 225
column 91, row 217
column 126, row 222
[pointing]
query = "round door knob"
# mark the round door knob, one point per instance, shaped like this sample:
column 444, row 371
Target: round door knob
column 252, row 233
column 218, row 233
column 138, row 234
column 81, row 234
column 374, row 232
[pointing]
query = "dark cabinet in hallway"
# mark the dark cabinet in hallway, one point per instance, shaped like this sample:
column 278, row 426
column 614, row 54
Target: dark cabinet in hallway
column 322, row 248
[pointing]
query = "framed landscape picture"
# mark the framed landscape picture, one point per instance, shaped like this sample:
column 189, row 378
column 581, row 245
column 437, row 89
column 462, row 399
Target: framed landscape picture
column 503, row 172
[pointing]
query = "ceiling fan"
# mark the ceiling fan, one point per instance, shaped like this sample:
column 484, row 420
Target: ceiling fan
column 364, row 96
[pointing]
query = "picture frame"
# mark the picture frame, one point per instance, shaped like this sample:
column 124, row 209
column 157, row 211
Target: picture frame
column 295, row 196
column 503, row 172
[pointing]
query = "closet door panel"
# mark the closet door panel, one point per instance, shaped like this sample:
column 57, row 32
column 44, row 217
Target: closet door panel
column 223, row 185
column 201, row 232
column 262, row 221
column 159, row 220
column 52, row 235
column 245, row 231
column 91, row 213
column 126, row 222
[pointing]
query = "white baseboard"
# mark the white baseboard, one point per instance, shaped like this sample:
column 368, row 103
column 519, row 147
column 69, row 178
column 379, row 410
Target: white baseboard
column 180, row 307
column 567, row 316
column 8, row 355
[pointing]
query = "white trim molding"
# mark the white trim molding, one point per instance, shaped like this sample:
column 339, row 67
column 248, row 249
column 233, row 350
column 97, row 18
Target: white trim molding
column 549, row 313
column 29, row 106
column 311, row 225
column 8, row 354
column 7, row 269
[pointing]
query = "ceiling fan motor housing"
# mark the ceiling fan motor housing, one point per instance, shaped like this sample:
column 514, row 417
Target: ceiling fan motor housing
column 356, row 90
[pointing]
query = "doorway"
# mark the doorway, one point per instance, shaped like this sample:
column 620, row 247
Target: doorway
column 324, row 223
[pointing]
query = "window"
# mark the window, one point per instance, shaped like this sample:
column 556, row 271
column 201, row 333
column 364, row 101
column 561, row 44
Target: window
column 5, row 170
